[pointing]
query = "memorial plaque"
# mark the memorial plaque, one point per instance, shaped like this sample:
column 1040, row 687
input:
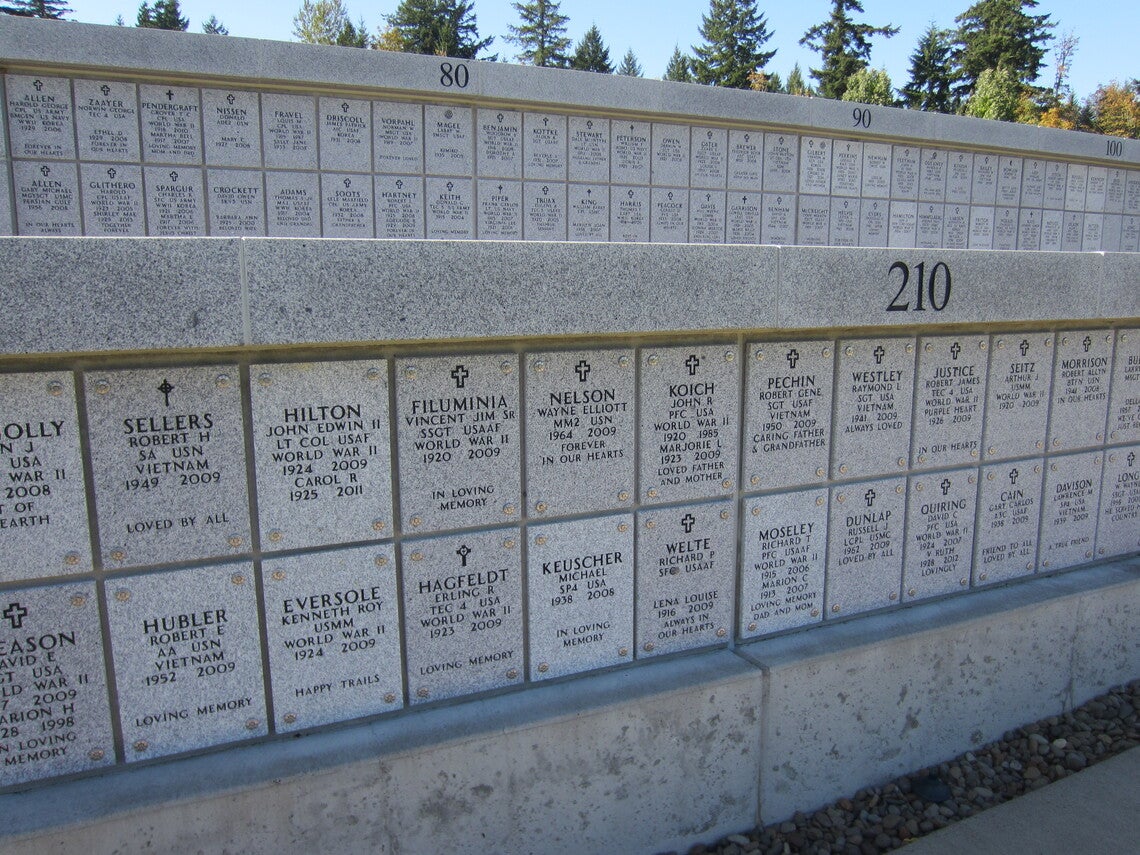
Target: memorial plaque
column 589, row 144
column 1132, row 192
column 580, row 430
column 781, row 167
column 670, row 160
column 47, row 198
column 187, row 659
column 289, row 131
column 873, row 222
column 175, row 201
column 544, row 146
column 5, row 206
column 293, row 204
column 959, row 177
column 1094, row 227
column 788, row 416
column 1118, row 530
column 1009, row 181
column 1052, row 224
column 399, row 206
column 231, row 125
column 112, row 199
column 669, row 221
column 347, row 210
column 333, row 626
column 1081, row 378
column 398, row 137
column 448, row 140
column 940, row 533
column 449, row 213
column 345, row 128
column 983, row 189
column 1055, row 182
column 629, row 214
column 1124, row 410
column 903, row 224
column 1017, row 400
column 904, row 172
column 55, row 718
column 458, row 433
column 1114, row 191
column 778, row 219
column 706, row 216
column 864, row 559
column 844, row 225
column 580, row 586
column 686, row 568
column 588, row 212
column 815, row 166
column 932, row 175
column 812, row 220
column 499, row 141
column 1076, row 182
column 171, row 124
column 43, row 512
column 462, row 614
column 1029, row 229
column 690, row 422
column 930, row 226
column 876, row 171
column 746, row 160
column 1069, row 510
column 500, row 209
column 1072, row 231
column 629, row 153
column 1009, row 510
column 107, row 120
column 168, row 461
column 846, row 168
column 1005, row 228
column 784, row 562
column 709, row 158
column 948, row 402
column 742, row 224
column 956, row 227
column 544, row 210
column 981, row 227
column 1032, row 183
column 1130, row 234
column 322, row 452
column 1110, row 236
column 874, row 391
column 40, row 117
column 237, row 204
column 1096, row 190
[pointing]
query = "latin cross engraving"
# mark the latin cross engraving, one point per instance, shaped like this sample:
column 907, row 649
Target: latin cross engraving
column 955, row 349
column 879, row 353
column 105, row 89
column 583, row 368
column 692, row 363
column 169, row 95
column 1013, row 476
column 1024, row 346
column 688, row 521
column 460, row 374
column 1087, row 343
column 15, row 614
column 945, row 485
column 1131, row 458
column 793, row 357
column 870, row 497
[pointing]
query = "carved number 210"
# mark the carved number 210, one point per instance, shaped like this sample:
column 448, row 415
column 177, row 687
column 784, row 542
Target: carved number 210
column 928, row 288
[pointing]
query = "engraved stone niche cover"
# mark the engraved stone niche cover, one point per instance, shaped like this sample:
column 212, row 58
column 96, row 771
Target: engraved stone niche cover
column 588, row 212
column 450, row 207
column 1029, row 229
column 462, row 614
column 53, row 692
column 171, row 123
column 746, row 160
column 347, row 211
column 589, row 145
column 706, row 216
column 742, row 225
column 175, row 201
column 1009, row 510
column 709, row 158
column 781, row 162
column 846, row 168
column 904, row 172
column 865, row 552
column 40, row 120
column 43, row 512
column 398, row 137
column 231, row 125
column 956, row 226
column 788, row 418
column 812, row 220
column 629, row 153
column 448, row 140
column 949, row 394
column 1009, row 181
column 237, row 206
column 1069, row 510
column 322, row 452
column 580, row 430
column 168, row 462
column 629, row 214
column 544, row 146
column 1118, row 530
column 690, row 422
column 931, row 224
column 873, row 222
column 903, row 224
column 1005, row 228
column 876, row 170
column 1076, row 183
column 815, row 165
column 293, row 204
column 458, row 437
column 686, row 563
column 1052, row 223
column 499, row 143
column 333, row 627
column 112, row 199
column 874, row 386
column 1055, row 180
column 580, row 586
column 1072, row 231
column 1124, row 411
column 500, row 209
column 106, row 120
column 399, row 204
column 1032, row 183
column 1017, row 400
column 784, row 564
column 1114, row 190
column 778, row 219
column 1093, row 231
column 345, row 129
column 187, row 659
column 544, row 210
column 47, row 198
column 984, row 185
column 1081, row 377
column 932, row 175
column 289, row 131
column 670, row 157
column 940, row 533
column 844, row 225
column 669, row 217
column 981, row 227
column 959, row 177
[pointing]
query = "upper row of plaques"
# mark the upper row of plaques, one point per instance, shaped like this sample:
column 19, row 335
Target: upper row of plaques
column 167, row 445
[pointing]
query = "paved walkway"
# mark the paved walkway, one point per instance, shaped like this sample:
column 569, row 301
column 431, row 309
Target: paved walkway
column 1094, row 811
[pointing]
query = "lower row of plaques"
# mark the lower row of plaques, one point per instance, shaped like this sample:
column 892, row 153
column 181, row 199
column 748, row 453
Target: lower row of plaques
column 185, row 644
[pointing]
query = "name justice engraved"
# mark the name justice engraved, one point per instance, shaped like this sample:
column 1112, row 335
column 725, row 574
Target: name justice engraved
column 306, row 434
column 688, row 440
column 567, row 409
column 876, row 401
column 951, row 396
column 789, row 424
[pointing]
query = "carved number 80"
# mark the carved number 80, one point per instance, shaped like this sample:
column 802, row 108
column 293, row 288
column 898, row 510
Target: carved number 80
column 928, row 288
column 453, row 75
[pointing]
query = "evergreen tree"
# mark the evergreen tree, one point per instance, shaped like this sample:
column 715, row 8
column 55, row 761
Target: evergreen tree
column 844, row 46
column 320, row 22
column 53, row 9
column 678, row 67
column 733, row 33
column 996, row 95
column 164, row 15
column 542, row 34
column 438, row 28
column 591, row 54
column 630, row 67
column 796, row 83
column 931, row 74
column 353, row 36
column 214, row 27
column 119, row 22
column 763, row 81
column 999, row 34
column 870, row 87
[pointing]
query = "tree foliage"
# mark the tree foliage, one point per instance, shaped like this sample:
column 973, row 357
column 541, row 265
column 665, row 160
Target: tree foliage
column 996, row 96
column 679, row 67
column 214, row 27
column 629, row 66
column 591, row 53
column 996, row 34
column 734, row 33
column 1115, row 109
column 931, row 73
column 844, row 46
column 541, row 34
column 866, row 86
column 439, row 28
column 320, row 22
column 797, row 85
column 164, row 15
column 52, row 9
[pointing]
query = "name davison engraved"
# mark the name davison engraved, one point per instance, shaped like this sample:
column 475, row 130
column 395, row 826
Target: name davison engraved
column 27, row 483
column 789, row 424
column 590, row 569
column 448, row 610
column 573, row 410
column 303, row 437
column 325, row 617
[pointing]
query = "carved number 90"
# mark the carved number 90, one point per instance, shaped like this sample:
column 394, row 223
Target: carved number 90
column 928, row 288
column 861, row 117
column 453, row 75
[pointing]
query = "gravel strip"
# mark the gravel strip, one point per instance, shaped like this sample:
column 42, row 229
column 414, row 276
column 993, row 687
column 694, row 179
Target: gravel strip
column 878, row 819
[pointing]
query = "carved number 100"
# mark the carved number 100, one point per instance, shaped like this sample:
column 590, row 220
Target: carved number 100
column 937, row 296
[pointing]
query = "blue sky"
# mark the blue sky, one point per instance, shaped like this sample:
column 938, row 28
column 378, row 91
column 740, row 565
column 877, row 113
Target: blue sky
column 1107, row 32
